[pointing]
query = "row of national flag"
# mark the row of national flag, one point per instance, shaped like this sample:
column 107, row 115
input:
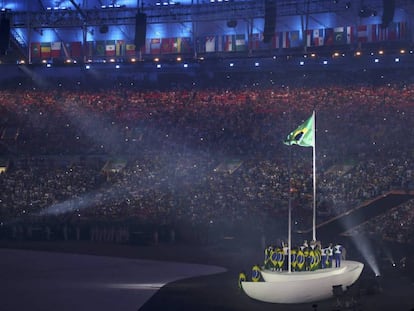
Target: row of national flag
column 108, row 48
column 359, row 34
column 223, row 43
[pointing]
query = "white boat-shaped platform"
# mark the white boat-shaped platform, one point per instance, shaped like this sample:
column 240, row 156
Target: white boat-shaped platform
column 303, row 287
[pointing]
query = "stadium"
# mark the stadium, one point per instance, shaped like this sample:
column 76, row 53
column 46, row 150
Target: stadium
column 143, row 154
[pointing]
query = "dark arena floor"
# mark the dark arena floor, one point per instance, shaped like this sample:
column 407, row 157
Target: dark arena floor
column 85, row 276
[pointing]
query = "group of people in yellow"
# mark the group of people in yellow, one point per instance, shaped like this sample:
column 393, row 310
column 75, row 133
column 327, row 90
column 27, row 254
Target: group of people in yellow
column 306, row 257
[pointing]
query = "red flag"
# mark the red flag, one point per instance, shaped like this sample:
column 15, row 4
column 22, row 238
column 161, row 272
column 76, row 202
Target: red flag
column 55, row 49
column 110, row 48
column 155, row 45
column 362, row 33
column 76, row 49
column 167, row 45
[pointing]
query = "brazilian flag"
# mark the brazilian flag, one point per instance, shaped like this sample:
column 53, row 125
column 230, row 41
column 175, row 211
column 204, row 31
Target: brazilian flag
column 303, row 135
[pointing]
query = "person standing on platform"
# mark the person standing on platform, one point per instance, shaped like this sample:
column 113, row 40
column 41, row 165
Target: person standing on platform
column 293, row 254
column 268, row 257
column 324, row 257
column 338, row 254
column 330, row 255
column 285, row 248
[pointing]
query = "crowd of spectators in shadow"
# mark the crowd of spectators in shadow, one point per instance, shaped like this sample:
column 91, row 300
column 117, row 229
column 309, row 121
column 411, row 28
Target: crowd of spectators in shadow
column 173, row 141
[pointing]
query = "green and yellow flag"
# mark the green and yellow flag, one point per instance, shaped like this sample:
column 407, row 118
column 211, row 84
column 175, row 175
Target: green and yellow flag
column 303, row 135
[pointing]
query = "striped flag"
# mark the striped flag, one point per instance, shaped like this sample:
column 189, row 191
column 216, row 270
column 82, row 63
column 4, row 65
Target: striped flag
column 120, row 48
column 229, row 43
column 210, row 44
column 176, row 45
column 130, row 49
column 110, row 48
column 45, row 50
column 240, row 43
column 362, row 33
column 255, row 41
column 56, row 49
column 285, row 40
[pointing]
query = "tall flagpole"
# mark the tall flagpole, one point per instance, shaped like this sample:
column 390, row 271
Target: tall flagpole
column 290, row 208
column 314, row 178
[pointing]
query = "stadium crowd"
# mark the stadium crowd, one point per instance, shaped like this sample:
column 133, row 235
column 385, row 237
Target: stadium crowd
column 197, row 157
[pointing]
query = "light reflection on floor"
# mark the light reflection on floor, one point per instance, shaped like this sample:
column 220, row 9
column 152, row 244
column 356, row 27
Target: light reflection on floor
column 45, row 281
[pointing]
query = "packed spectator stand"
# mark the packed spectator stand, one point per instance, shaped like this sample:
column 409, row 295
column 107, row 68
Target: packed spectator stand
column 176, row 143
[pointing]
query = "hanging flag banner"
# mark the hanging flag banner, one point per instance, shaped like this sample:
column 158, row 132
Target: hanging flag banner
column 55, row 49
column 89, row 50
column 130, row 49
column 110, row 48
column 294, row 39
column 155, row 46
column 35, row 49
column 210, row 44
column 76, row 49
column 318, row 38
column 339, row 36
column 120, row 48
column 100, row 48
column 240, row 43
column 186, row 45
column 45, row 50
